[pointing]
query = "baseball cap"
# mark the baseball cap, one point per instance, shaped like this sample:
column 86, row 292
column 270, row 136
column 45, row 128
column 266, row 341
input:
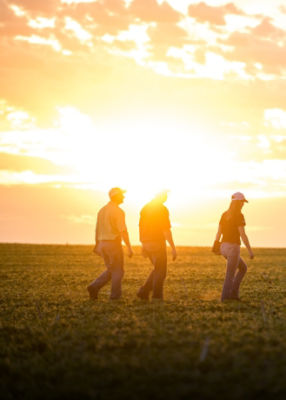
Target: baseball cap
column 115, row 191
column 239, row 196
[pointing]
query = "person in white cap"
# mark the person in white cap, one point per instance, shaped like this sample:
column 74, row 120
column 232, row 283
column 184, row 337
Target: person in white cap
column 231, row 228
column 155, row 230
column 109, row 233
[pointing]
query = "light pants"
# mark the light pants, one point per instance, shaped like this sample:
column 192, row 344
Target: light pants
column 235, row 270
column 112, row 253
column 157, row 254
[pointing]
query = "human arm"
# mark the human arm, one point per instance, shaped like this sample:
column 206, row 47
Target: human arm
column 169, row 238
column 95, row 249
column 125, row 238
column 216, row 244
column 245, row 240
column 122, row 230
column 219, row 233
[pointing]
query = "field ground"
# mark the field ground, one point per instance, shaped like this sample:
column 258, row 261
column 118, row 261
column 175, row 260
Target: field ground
column 57, row 344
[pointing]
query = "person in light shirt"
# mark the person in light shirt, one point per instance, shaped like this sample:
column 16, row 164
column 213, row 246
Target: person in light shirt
column 109, row 233
column 231, row 228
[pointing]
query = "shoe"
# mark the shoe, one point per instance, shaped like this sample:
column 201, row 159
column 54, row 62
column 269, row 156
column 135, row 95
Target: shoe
column 142, row 295
column 93, row 292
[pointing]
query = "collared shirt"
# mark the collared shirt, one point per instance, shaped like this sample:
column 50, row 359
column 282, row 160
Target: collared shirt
column 154, row 220
column 110, row 222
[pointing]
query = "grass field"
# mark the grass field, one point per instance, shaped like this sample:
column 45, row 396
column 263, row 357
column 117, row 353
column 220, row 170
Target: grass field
column 57, row 344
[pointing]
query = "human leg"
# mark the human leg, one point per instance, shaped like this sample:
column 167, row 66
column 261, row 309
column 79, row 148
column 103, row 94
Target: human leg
column 116, row 279
column 156, row 251
column 98, row 283
column 115, row 268
column 94, row 287
column 241, row 271
column 145, row 289
column 160, row 272
column 232, row 254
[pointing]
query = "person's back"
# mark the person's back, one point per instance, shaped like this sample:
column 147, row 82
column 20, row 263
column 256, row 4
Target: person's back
column 110, row 222
column 155, row 230
column 154, row 221
column 229, row 226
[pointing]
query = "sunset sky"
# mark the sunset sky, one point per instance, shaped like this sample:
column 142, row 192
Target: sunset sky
column 143, row 94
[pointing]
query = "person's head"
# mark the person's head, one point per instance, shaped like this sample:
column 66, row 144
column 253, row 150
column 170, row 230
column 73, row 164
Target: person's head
column 237, row 202
column 116, row 195
column 161, row 197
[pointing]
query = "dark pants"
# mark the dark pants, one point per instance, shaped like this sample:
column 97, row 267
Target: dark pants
column 157, row 253
column 112, row 253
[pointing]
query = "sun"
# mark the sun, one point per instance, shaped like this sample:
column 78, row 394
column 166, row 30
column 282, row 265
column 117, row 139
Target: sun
column 143, row 154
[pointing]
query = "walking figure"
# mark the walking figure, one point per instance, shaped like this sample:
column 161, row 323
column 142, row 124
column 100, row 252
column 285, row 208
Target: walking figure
column 155, row 230
column 231, row 228
column 109, row 233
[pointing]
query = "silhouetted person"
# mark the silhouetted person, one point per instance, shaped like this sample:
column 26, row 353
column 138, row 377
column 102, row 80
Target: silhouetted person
column 155, row 230
column 231, row 227
column 109, row 233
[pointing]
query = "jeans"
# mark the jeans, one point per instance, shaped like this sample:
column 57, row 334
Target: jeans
column 235, row 270
column 157, row 253
column 112, row 253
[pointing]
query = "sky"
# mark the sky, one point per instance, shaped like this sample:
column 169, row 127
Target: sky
column 182, row 95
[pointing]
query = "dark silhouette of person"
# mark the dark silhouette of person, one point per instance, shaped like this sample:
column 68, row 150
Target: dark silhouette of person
column 231, row 228
column 155, row 230
column 109, row 233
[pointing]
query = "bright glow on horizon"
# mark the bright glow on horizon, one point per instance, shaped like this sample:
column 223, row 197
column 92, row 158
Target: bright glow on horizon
column 143, row 163
column 108, row 155
column 144, row 158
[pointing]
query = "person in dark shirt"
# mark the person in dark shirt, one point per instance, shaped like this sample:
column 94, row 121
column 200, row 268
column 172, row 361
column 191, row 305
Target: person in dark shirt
column 155, row 230
column 231, row 228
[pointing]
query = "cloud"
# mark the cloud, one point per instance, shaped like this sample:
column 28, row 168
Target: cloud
column 275, row 118
column 261, row 48
column 151, row 11
column 163, row 36
column 5, row 12
column 215, row 15
column 107, row 16
column 34, row 30
column 251, row 49
column 37, row 7
column 81, row 219
column 267, row 30
column 18, row 163
column 11, row 24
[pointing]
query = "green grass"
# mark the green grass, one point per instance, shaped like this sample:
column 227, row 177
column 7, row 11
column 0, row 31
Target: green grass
column 57, row 344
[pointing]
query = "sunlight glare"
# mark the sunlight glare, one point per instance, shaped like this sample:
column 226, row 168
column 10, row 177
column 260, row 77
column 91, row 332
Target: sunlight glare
column 143, row 157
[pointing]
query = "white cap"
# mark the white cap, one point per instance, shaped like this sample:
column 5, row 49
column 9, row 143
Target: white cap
column 115, row 191
column 239, row 196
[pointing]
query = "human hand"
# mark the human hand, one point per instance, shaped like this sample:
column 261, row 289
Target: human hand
column 251, row 255
column 174, row 254
column 129, row 252
column 96, row 250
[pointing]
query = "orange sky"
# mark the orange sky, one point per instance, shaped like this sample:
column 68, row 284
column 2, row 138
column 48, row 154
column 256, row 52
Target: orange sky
column 146, row 94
